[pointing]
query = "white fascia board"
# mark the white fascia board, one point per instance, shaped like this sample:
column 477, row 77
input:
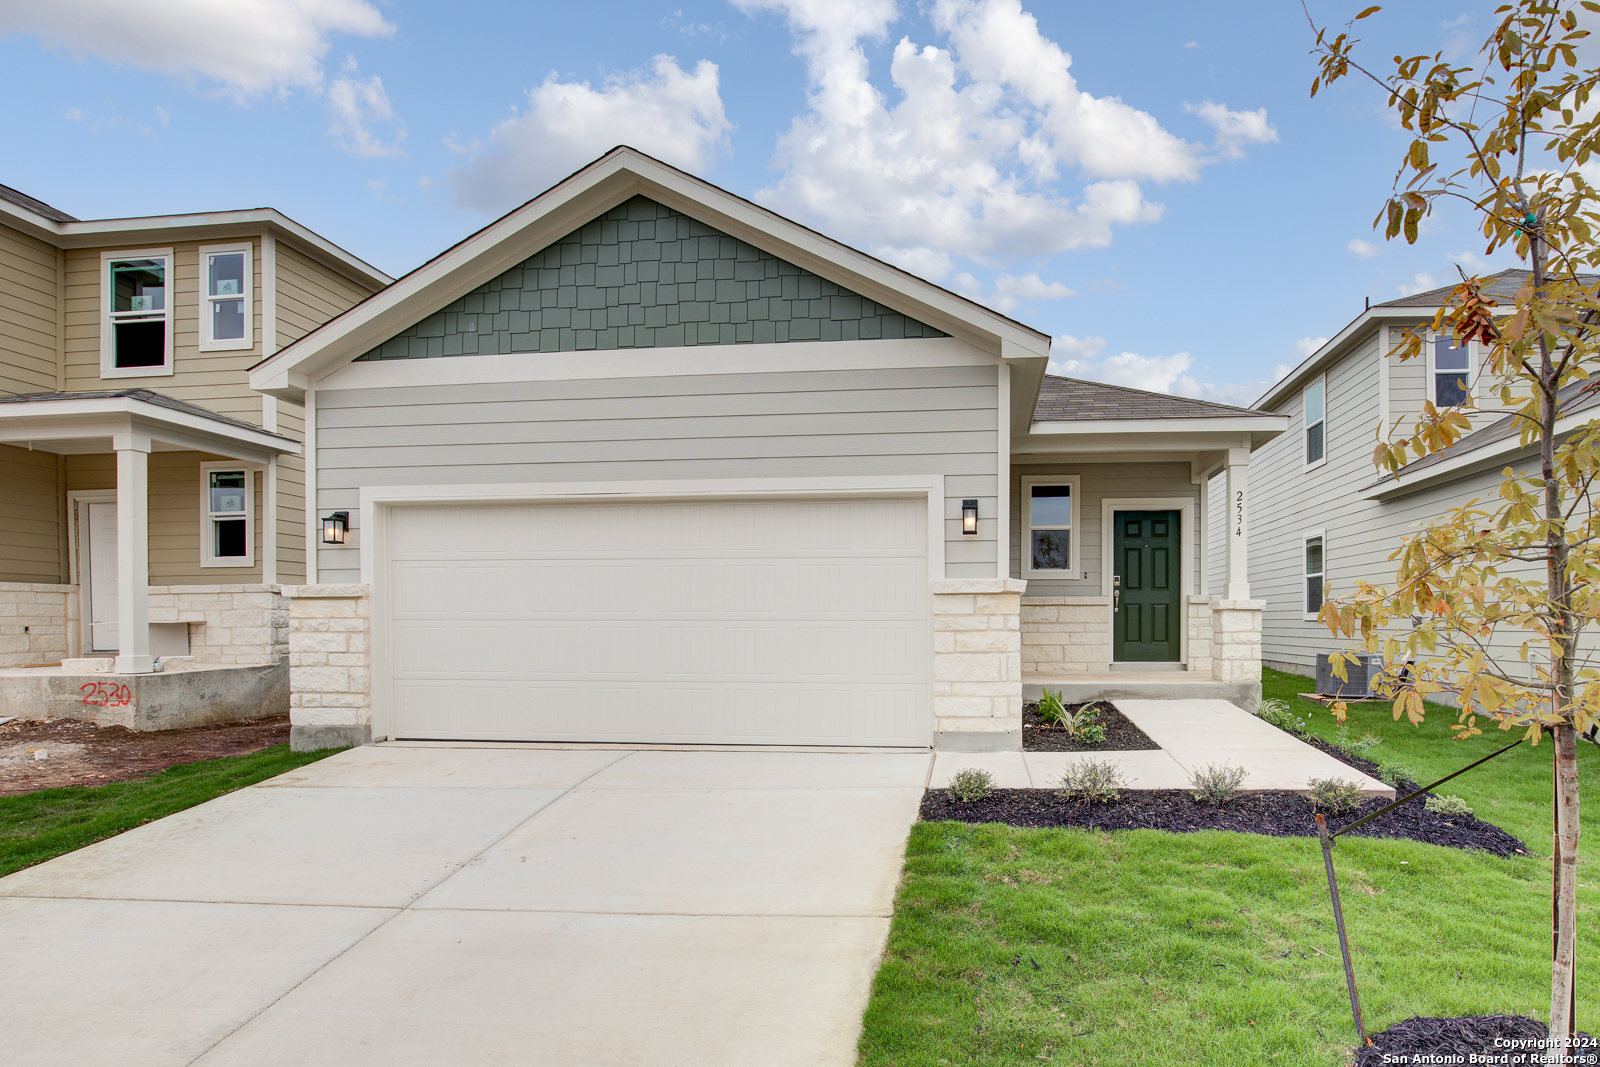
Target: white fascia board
column 1122, row 444
column 1228, row 424
column 591, row 192
column 85, row 417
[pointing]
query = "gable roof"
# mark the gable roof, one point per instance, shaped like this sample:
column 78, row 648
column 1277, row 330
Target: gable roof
column 1502, row 286
column 1073, row 399
column 613, row 179
column 38, row 207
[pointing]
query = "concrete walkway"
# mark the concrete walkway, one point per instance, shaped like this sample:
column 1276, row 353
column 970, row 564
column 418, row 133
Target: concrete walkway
column 440, row 906
column 1192, row 734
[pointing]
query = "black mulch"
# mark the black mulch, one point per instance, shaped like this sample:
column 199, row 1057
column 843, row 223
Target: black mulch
column 1467, row 1037
column 1121, row 734
column 1276, row 814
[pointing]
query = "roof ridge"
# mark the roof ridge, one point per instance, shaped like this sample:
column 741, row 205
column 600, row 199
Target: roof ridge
column 1153, row 393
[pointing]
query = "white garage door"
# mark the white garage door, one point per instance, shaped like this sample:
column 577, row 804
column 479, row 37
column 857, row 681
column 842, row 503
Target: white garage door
column 708, row 622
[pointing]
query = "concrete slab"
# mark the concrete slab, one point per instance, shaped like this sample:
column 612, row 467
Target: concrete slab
column 700, row 852
column 1148, row 769
column 117, row 983
column 1010, row 770
column 463, row 989
column 764, row 770
column 381, row 766
column 282, row 845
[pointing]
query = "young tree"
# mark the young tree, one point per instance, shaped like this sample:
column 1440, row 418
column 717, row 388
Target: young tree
column 1486, row 585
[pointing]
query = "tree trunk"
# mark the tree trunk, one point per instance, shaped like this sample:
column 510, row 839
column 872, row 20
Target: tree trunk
column 1563, row 971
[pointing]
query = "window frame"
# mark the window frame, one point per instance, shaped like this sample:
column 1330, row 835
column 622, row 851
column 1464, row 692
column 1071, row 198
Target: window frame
column 207, row 558
column 1431, row 393
column 204, row 299
column 1305, row 430
column 1305, row 573
column 1074, row 569
column 108, row 367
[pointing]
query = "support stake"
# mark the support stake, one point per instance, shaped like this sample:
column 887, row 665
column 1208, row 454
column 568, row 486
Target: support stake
column 1338, row 920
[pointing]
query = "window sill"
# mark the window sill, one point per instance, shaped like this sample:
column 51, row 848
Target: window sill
column 1064, row 576
column 242, row 565
column 1323, row 462
column 227, row 346
column 136, row 372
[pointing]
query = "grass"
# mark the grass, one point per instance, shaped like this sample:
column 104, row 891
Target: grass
column 1015, row 946
column 39, row 826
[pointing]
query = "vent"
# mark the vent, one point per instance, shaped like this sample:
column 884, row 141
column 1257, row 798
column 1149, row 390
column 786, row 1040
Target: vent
column 1362, row 670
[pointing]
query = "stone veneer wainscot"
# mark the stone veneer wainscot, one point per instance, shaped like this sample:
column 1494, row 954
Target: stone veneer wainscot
column 977, row 664
column 330, row 666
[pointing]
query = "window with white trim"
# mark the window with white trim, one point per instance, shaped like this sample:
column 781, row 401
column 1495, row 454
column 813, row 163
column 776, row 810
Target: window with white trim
column 1315, row 403
column 1315, row 568
column 225, row 300
column 1048, row 521
column 227, row 515
column 136, row 313
column 1449, row 371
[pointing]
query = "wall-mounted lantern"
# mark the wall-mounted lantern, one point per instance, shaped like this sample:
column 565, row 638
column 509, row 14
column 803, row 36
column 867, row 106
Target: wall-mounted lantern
column 335, row 527
column 969, row 517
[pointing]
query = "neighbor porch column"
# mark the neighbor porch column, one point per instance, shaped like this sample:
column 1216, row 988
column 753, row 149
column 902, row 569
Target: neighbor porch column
column 133, row 553
column 1237, row 526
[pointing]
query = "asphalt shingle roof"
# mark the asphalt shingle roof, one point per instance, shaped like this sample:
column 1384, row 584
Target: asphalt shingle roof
column 1501, row 287
column 146, row 395
column 1074, row 400
column 38, row 207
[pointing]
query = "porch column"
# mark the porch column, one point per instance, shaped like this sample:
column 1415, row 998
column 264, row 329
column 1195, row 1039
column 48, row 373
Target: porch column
column 1238, row 475
column 133, row 553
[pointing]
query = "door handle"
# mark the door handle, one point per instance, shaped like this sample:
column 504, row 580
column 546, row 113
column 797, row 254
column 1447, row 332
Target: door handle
column 1116, row 601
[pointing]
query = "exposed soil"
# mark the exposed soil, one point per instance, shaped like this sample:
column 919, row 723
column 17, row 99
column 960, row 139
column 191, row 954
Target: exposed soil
column 78, row 753
column 1121, row 734
column 1424, row 1040
column 1276, row 814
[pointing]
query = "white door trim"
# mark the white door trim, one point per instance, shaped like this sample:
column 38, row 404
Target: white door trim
column 378, row 501
column 1185, row 506
column 75, row 575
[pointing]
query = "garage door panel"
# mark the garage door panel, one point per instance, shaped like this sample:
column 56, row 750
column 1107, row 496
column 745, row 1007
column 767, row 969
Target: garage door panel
column 758, row 622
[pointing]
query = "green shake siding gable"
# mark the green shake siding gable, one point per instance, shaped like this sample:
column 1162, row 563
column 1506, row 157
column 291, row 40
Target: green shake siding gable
column 645, row 276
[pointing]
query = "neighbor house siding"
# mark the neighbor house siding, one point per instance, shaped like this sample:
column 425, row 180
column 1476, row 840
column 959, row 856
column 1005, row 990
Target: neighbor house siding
column 30, row 516
column 291, row 499
column 29, row 291
column 310, row 293
column 936, row 420
column 1100, row 480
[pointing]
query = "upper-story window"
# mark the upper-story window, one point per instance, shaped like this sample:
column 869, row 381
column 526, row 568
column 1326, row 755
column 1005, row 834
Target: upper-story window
column 225, row 301
column 1450, row 372
column 1316, row 409
column 136, row 318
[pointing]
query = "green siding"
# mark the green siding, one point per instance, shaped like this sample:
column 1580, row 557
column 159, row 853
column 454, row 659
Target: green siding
column 645, row 276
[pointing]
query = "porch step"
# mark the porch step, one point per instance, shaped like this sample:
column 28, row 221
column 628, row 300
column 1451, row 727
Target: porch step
column 1163, row 685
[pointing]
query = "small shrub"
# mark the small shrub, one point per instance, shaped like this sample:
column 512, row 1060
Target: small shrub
column 1097, row 780
column 1216, row 783
column 1276, row 712
column 971, row 783
column 1355, row 745
column 1050, row 709
column 1335, row 794
column 1447, row 805
column 1396, row 774
column 1084, row 726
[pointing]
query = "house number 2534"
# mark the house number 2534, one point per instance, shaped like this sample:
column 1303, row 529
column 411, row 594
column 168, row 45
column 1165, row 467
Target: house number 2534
column 1238, row 513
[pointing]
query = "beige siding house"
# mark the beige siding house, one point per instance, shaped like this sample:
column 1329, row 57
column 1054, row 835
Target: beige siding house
column 644, row 462
column 150, row 502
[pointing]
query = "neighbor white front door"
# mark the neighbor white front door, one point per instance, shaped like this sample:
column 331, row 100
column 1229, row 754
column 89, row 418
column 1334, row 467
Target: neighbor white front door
column 98, row 531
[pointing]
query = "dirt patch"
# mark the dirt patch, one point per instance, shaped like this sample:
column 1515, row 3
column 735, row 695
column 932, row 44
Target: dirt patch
column 1121, row 734
column 1487, row 1039
column 1276, row 814
column 59, row 752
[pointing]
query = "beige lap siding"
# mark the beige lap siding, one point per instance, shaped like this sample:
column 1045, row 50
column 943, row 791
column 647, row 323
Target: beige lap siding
column 29, row 278
column 32, row 546
column 38, row 623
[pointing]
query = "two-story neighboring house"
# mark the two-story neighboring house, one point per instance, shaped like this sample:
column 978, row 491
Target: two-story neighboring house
column 1323, row 512
column 150, row 502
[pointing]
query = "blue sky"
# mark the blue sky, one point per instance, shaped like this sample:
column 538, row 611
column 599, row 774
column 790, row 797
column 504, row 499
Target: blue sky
column 1172, row 206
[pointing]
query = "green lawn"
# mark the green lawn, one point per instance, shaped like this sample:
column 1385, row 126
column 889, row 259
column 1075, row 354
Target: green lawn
column 38, row 826
column 1014, row 946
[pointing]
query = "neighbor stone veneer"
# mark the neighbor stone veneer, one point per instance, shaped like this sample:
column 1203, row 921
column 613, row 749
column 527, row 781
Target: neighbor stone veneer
column 38, row 623
column 977, row 664
column 1066, row 634
column 230, row 624
column 1236, row 640
column 330, row 661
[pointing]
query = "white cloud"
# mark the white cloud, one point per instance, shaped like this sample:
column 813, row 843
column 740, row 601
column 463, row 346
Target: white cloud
column 355, row 107
column 967, row 160
column 1419, row 284
column 1364, row 249
column 245, row 48
column 1158, row 374
column 1191, row 44
column 1074, row 350
column 1009, row 291
column 1306, row 346
column 672, row 114
column 1235, row 129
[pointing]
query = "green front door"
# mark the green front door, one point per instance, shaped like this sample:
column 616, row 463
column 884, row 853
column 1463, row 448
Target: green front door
column 1146, row 561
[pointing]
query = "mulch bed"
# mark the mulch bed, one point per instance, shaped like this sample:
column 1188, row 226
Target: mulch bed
column 1474, row 1035
column 1121, row 734
column 1276, row 814
column 80, row 753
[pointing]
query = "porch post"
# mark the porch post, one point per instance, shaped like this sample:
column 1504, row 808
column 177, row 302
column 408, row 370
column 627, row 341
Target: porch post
column 133, row 553
column 1238, row 468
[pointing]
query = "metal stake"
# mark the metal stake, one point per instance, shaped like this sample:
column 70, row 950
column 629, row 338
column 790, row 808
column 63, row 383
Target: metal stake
column 1338, row 919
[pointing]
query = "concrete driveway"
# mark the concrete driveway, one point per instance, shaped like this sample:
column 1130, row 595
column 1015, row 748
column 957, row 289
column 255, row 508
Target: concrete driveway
column 438, row 905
